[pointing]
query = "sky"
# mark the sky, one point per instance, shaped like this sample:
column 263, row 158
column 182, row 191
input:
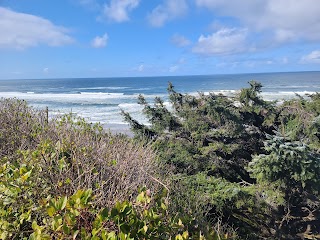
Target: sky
column 123, row 38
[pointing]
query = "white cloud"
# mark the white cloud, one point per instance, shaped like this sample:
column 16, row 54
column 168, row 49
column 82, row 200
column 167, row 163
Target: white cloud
column 169, row 10
column 180, row 40
column 20, row 31
column 288, row 20
column 141, row 68
column 174, row 68
column 46, row 70
column 313, row 57
column 248, row 63
column 100, row 42
column 223, row 42
column 118, row 10
column 281, row 35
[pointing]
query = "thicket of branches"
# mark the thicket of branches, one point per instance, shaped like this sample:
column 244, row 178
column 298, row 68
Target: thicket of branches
column 64, row 178
column 74, row 154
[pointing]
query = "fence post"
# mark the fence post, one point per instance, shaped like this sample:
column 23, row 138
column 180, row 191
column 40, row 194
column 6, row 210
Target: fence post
column 47, row 115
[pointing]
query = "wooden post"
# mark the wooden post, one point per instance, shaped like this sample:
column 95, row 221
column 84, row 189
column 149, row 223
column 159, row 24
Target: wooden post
column 47, row 115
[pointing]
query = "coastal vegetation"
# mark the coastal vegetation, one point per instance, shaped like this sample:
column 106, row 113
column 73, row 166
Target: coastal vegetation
column 64, row 178
column 249, row 166
column 210, row 167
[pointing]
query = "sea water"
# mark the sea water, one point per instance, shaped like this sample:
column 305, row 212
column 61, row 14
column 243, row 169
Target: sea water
column 101, row 99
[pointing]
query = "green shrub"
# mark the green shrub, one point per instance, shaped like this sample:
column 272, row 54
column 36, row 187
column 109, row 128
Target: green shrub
column 63, row 178
column 74, row 154
column 293, row 165
column 209, row 140
column 20, row 127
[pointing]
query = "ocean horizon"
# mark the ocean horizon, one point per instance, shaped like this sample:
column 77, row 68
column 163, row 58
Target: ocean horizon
column 101, row 99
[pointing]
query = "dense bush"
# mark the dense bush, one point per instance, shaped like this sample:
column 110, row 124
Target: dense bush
column 20, row 127
column 74, row 154
column 220, row 153
column 294, row 171
column 64, row 178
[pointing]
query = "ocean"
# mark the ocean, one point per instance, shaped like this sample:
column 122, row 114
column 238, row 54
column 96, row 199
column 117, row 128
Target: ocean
column 100, row 99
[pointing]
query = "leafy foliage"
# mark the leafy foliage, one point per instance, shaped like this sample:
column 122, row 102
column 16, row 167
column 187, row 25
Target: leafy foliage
column 64, row 178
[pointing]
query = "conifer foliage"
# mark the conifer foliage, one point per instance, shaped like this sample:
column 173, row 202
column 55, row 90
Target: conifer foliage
column 250, row 162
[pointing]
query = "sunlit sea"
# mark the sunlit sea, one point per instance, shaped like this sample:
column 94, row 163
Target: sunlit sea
column 100, row 99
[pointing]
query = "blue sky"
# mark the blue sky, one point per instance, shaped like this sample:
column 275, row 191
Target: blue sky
column 111, row 38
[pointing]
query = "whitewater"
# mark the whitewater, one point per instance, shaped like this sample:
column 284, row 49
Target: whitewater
column 101, row 99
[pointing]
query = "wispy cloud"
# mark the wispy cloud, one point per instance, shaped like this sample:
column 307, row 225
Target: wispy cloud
column 20, row 31
column 141, row 68
column 173, row 68
column 313, row 57
column 180, row 41
column 169, row 10
column 223, row 42
column 100, row 42
column 287, row 20
column 118, row 10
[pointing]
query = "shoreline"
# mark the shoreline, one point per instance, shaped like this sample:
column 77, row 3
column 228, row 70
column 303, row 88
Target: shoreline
column 118, row 129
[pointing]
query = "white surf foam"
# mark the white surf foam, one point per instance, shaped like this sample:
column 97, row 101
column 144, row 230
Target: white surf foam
column 106, row 107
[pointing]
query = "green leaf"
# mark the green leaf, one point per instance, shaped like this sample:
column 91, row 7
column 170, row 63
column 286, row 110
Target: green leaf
column 114, row 162
column 51, row 211
column 62, row 203
column 104, row 214
column 75, row 234
column 179, row 237
column 185, row 235
column 145, row 228
column 111, row 236
column 34, row 225
column 114, row 212
column 125, row 228
column 31, row 237
column 25, row 176
column 163, row 206
column 66, row 229
column 86, row 196
column 141, row 197
column 95, row 232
